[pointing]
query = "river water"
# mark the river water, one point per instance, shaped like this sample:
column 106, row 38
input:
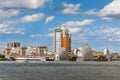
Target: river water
column 60, row 71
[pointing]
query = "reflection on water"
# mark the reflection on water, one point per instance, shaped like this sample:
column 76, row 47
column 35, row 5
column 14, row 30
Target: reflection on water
column 60, row 71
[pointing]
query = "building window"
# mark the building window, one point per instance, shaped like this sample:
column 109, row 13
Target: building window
column 41, row 51
column 23, row 52
column 8, row 52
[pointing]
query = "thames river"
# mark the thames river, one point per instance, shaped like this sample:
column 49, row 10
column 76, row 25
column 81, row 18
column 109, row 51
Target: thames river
column 60, row 71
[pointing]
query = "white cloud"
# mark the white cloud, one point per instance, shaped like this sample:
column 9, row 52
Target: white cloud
column 30, row 4
column 50, row 35
column 32, row 18
column 10, row 30
column 8, row 13
column 80, row 38
column 75, row 30
column 6, row 29
column 109, row 34
column 10, row 21
column 111, row 11
column 48, row 19
column 103, row 33
column 26, row 19
column 71, row 8
column 78, row 23
column 35, row 36
column 91, row 12
column 75, row 26
column 3, row 25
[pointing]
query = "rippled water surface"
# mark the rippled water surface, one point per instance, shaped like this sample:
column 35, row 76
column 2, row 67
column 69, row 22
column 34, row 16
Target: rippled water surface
column 60, row 71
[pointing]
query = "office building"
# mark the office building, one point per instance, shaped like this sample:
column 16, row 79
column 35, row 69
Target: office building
column 62, row 39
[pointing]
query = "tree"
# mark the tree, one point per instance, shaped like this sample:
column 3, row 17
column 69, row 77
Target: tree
column 2, row 56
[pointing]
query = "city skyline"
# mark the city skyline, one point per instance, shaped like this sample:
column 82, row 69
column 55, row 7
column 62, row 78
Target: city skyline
column 32, row 22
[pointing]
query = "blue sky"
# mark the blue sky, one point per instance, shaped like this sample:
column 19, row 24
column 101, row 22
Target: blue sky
column 31, row 22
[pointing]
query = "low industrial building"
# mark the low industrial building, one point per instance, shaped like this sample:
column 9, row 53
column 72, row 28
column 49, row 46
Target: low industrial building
column 99, row 56
column 102, row 56
column 107, row 54
column 115, row 56
column 84, row 53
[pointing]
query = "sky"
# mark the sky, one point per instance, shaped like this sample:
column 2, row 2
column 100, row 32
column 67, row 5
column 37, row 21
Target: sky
column 32, row 22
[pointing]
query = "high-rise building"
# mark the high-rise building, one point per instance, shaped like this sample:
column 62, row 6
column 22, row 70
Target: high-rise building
column 62, row 39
